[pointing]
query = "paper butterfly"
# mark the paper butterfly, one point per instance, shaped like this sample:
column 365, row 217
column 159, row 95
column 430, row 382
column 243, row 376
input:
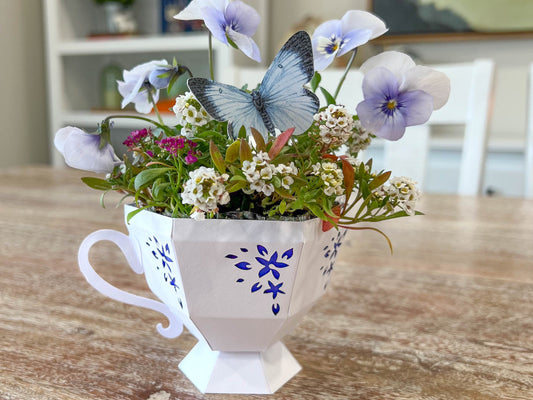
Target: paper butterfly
column 280, row 102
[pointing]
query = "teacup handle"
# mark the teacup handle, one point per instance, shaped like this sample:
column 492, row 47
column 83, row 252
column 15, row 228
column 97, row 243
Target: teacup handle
column 123, row 241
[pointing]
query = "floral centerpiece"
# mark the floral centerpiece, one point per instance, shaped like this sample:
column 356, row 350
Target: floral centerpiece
column 269, row 171
column 198, row 168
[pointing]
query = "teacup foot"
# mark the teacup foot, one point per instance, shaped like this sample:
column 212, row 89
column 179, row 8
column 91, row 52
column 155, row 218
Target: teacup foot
column 239, row 372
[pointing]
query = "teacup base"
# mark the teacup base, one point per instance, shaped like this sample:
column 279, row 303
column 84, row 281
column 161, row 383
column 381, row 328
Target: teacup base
column 239, row 372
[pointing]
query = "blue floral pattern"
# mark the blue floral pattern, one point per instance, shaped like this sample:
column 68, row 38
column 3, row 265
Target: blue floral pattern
column 268, row 266
column 330, row 255
column 165, row 264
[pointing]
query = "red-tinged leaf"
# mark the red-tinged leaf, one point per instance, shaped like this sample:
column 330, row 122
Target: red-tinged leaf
column 233, row 151
column 279, row 143
column 260, row 144
column 245, row 151
column 217, row 158
column 331, row 157
column 327, row 225
column 349, row 179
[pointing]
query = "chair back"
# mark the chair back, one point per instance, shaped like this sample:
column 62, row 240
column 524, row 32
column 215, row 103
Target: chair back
column 469, row 105
column 529, row 138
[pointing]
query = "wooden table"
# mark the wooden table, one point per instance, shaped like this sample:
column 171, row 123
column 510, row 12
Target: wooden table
column 448, row 316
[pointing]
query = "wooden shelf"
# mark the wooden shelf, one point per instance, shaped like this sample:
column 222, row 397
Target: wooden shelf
column 133, row 44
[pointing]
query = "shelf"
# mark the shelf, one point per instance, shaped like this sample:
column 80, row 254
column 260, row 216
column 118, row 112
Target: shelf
column 134, row 44
column 90, row 119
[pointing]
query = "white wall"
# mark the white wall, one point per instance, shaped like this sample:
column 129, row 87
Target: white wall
column 23, row 103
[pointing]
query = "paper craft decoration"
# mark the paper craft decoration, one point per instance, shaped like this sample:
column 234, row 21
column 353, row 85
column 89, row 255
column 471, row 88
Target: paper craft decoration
column 238, row 286
column 280, row 102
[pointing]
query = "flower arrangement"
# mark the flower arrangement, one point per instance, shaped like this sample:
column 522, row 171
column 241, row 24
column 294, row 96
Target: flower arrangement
column 271, row 152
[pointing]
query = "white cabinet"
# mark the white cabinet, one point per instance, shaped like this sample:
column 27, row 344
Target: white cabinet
column 75, row 61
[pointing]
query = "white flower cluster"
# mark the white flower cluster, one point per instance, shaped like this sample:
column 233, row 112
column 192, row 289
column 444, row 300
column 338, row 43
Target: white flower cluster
column 331, row 175
column 360, row 138
column 334, row 124
column 260, row 173
column 402, row 192
column 205, row 190
column 190, row 114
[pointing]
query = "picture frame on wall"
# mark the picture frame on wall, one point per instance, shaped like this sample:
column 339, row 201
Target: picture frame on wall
column 439, row 20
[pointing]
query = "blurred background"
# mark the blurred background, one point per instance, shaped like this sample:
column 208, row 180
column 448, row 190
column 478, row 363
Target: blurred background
column 61, row 59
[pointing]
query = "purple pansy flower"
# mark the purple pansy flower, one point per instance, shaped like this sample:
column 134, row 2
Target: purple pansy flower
column 398, row 93
column 336, row 37
column 82, row 150
column 231, row 22
column 136, row 86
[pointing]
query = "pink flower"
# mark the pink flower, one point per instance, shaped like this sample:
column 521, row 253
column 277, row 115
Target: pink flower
column 172, row 144
column 136, row 137
column 191, row 158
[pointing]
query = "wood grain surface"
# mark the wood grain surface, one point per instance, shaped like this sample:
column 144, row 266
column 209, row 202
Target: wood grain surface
column 448, row 316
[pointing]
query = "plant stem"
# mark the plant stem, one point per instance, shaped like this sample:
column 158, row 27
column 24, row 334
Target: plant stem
column 341, row 81
column 211, row 70
column 151, row 98
column 159, row 125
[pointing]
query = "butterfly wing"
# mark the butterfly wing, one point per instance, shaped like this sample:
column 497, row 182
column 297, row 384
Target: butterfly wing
column 286, row 101
column 226, row 103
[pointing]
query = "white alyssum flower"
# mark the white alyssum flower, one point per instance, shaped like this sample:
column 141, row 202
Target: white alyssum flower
column 190, row 113
column 402, row 192
column 332, row 177
column 359, row 139
column 205, row 190
column 334, row 124
column 260, row 173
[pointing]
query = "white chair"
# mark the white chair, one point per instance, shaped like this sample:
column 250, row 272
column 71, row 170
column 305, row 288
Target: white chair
column 529, row 138
column 469, row 105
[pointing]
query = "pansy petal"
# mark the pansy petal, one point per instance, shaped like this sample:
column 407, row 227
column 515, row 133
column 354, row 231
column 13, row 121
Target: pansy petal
column 393, row 128
column 358, row 19
column 246, row 45
column 242, row 18
column 380, row 82
column 416, row 107
column 215, row 22
column 354, row 39
column 433, row 82
column 322, row 61
column 62, row 135
column 82, row 151
column 398, row 63
column 370, row 114
column 194, row 9
column 328, row 29
column 157, row 81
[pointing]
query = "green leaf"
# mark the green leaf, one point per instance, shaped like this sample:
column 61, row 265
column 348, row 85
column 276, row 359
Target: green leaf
column 97, row 183
column 147, row 176
column 233, row 152
column 234, row 186
column 315, row 81
column 134, row 213
column 329, row 98
column 282, row 206
column 217, row 158
column 379, row 180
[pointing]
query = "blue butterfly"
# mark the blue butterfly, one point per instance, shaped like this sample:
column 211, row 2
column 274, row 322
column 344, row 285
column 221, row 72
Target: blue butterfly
column 280, row 102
